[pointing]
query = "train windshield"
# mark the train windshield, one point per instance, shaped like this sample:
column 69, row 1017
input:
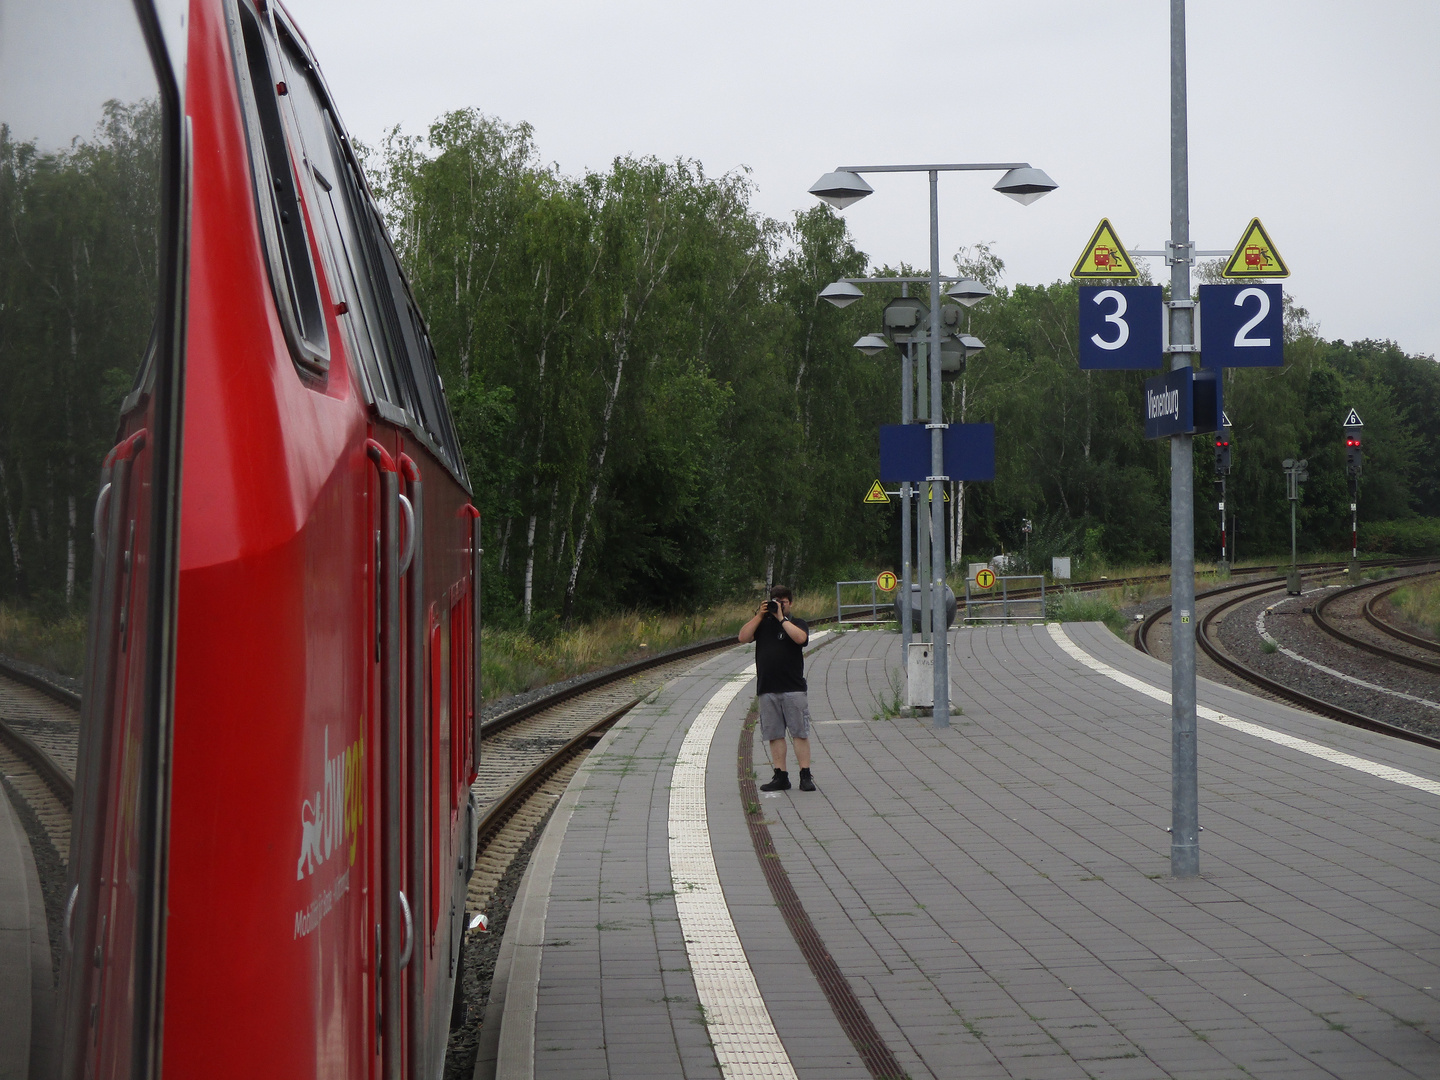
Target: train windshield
column 87, row 368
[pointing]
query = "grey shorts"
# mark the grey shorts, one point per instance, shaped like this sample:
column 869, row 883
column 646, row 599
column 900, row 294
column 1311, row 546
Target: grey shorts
column 780, row 713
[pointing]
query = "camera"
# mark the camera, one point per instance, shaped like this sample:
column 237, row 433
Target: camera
column 774, row 606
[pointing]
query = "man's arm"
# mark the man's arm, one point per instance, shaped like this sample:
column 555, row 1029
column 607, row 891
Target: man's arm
column 796, row 633
column 747, row 632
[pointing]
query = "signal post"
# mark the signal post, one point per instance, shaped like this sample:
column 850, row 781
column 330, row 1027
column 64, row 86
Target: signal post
column 1353, row 458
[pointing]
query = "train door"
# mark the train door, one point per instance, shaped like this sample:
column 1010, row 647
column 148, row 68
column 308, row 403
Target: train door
column 92, row 179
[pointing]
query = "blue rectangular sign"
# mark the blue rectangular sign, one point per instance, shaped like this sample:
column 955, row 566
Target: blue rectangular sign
column 1168, row 406
column 905, row 452
column 1242, row 326
column 1121, row 327
column 970, row 452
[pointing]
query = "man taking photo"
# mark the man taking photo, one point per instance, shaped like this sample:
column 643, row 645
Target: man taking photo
column 780, row 671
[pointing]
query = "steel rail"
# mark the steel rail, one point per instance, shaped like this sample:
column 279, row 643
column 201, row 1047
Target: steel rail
column 1318, row 615
column 1288, row 693
column 507, row 805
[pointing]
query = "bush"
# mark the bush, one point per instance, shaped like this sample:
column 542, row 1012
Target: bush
column 1087, row 607
column 1408, row 536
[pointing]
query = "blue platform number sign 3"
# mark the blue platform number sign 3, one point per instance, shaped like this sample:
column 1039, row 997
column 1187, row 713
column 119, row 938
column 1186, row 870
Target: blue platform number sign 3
column 1242, row 326
column 1120, row 327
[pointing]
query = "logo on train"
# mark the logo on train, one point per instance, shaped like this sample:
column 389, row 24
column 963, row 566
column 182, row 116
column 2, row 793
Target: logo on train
column 337, row 810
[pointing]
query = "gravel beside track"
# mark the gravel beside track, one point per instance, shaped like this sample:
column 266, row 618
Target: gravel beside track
column 1288, row 621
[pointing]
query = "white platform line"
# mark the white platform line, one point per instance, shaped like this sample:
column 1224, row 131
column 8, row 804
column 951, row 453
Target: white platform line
column 746, row 1043
column 1305, row 746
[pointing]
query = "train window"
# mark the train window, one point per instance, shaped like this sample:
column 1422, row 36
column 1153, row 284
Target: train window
column 330, row 168
column 282, row 217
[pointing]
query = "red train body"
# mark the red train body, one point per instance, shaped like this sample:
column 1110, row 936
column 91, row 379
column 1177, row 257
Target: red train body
column 273, row 828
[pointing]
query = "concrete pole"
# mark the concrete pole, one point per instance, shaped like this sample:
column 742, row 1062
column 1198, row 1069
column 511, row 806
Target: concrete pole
column 1184, row 782
column 940, row 638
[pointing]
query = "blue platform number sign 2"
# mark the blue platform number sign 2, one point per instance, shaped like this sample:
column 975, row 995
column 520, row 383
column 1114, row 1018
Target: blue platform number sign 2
column 1120, row 327
column 1242, row 326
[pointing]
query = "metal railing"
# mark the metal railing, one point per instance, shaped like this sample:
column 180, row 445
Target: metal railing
column 873, row 606
column 983, row 601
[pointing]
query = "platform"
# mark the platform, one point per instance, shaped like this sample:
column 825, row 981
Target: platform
column 26, row 978
column 990, row 900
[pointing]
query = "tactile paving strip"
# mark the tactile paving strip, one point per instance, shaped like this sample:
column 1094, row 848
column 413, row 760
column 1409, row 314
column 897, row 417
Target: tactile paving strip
column 739, row 1024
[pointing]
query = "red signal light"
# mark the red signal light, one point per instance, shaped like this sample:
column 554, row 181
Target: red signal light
column 1352, row 442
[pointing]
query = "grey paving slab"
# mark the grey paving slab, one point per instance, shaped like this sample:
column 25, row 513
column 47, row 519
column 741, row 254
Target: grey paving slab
column 997, row 894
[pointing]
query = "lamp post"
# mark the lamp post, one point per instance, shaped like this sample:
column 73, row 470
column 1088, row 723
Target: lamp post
column 840, row 189
column 954, row 351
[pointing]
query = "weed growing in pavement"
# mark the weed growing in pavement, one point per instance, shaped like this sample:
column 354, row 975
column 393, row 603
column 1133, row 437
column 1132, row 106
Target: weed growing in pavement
column 1270, row 646
column 890, row 705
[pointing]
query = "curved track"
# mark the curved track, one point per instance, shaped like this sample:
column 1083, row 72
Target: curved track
column 1398, row 655
column 1248, row 591
column 1428, row 644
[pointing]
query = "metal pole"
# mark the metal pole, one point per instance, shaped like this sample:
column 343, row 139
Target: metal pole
column 922, row 525
column 940, row 636
column 907, row 416
column 1184, row 782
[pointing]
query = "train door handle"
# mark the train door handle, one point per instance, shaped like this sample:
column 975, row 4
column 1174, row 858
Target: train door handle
column 409, row 511
column 102, row 501
column 409, row 949
column 70, row 910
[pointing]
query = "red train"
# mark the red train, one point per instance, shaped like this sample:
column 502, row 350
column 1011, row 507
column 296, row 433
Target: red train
column 273, row 827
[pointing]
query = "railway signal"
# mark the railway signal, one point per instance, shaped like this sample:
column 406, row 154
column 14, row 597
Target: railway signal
column 1354, row 456
column 1222, row 469
column 1295, row 475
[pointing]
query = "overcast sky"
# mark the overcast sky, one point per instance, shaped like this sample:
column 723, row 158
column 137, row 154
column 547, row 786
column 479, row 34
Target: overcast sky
column 1316, row 116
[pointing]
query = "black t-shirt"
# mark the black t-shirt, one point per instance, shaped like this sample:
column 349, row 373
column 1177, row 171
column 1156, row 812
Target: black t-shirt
column 779, row 662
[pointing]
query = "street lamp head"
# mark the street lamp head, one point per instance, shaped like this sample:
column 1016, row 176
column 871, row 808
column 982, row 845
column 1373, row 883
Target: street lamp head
column 840, row 189
column 1024, row 185
column 841, row 293
column 872, row 344
column 969, row 292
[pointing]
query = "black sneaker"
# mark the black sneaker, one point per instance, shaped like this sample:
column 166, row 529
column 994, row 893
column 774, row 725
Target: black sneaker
column 806, row 783
column 779, row 782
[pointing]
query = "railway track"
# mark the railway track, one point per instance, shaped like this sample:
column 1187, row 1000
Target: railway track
column 1398, row 646
column 1246, row 591
column 39, row 731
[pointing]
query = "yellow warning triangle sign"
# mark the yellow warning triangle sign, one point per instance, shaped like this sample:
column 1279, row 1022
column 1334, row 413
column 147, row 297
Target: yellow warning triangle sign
column 877, row 494
column 1104, row 256
column 1255, row 256
column 932, row 493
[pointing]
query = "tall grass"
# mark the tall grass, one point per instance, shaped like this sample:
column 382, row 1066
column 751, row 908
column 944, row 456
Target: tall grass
column 514, row 661
column 54, row 643
column 1089, row 607
column 1419, row 605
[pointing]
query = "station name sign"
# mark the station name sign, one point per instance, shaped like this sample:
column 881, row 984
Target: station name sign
column 1183, row 402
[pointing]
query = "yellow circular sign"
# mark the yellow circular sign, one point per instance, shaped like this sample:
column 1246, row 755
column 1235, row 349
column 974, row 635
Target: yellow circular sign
column 886, row 581
column 984, row 579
